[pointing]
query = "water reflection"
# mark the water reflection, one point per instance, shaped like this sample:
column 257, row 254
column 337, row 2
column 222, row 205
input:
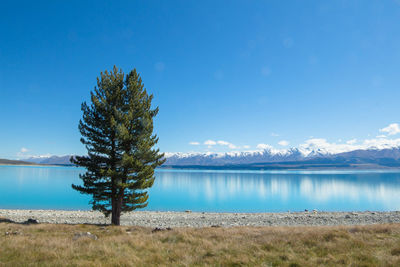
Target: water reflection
column 250, row 191
column 280, row 191
column 29, row 187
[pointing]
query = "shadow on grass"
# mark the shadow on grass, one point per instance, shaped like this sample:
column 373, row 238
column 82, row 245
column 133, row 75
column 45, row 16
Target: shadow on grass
column 33, row 221
column 27, row 222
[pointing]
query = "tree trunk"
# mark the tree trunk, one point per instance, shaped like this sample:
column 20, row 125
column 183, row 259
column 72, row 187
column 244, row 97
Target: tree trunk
column 116, row 211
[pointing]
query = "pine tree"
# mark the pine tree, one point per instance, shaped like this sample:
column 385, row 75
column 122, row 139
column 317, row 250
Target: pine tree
column 117, row 130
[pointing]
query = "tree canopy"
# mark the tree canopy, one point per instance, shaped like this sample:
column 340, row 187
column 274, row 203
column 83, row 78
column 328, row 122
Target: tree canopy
column 117, row 130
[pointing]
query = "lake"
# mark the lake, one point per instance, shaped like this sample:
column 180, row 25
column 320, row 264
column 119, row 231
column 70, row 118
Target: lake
column 31, row 187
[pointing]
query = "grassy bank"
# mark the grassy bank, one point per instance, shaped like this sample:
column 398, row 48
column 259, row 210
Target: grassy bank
column 47, row 244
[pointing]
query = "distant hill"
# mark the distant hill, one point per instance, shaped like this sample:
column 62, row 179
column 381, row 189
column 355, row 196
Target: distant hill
column 15, row 162
column 51, row 160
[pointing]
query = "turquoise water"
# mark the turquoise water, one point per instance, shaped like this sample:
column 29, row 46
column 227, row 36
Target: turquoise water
column 223, row 191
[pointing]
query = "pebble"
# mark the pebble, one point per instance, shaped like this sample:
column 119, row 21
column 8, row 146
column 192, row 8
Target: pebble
column 167, row 219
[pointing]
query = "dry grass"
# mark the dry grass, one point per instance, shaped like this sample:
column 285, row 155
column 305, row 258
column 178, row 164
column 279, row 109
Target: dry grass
column 46, row 244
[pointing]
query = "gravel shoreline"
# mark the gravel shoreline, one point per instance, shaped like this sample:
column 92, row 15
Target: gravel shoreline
column 164, row 219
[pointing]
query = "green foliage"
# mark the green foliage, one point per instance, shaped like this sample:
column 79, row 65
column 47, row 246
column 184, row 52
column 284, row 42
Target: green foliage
column 117, row 130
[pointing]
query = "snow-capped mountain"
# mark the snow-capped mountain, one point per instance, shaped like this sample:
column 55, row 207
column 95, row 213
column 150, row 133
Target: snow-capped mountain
column 299, row 155
column 247, row 157
column 269, row 156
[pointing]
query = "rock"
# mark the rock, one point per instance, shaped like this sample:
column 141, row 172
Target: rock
column 157, row 230
column 188, row 211
column 87, row 234
column 347, row 216
column 31, row 221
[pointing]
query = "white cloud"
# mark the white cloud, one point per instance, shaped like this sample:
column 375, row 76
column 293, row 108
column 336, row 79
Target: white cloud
column 392, row 129
column 225, row 143
column 274, row 134
column 381, row 136
column 24, row 150
column 283, row 143
column 246, row 147
column 222, row 143
column 193, row 143
column 232, row 146
column 351, row 142
column 210, row 143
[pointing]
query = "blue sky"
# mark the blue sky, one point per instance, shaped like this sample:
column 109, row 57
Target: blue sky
column 242, row 72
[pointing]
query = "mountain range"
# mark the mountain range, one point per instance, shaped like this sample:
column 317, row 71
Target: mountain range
column 50, row 160
column 14, row 162
column 292, row 158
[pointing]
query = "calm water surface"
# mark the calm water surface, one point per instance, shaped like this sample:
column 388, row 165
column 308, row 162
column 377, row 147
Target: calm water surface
column 230, row 191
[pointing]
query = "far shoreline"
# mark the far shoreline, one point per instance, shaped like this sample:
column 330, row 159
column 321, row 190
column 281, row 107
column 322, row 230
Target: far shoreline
column 237, row 168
